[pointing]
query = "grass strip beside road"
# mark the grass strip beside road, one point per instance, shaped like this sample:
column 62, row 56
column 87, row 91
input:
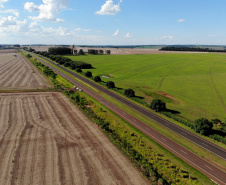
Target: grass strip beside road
column 61, row 81
column 161, row 115
column 175, row 137
column 157, row 147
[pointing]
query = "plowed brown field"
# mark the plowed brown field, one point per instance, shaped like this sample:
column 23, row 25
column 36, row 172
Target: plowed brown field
column 45, row 139
column 17, row 73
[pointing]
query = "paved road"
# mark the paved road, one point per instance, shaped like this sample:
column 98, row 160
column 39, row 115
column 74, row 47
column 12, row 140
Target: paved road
column 200, row 164
column 215, row 149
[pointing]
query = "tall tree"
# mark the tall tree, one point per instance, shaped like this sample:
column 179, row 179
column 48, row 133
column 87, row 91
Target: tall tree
column 203, row 126
column 97, row 79
column 110, row 84
column 129, row 92
column 158, row 105
column 88, row 74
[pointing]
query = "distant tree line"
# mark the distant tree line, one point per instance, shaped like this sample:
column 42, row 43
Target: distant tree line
column 69, row 51
column 190, row 49
column 97, row 52
column 59, row 51
column 65, row 61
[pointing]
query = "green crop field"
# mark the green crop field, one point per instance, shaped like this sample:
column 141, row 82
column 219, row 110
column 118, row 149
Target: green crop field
column 193, row 83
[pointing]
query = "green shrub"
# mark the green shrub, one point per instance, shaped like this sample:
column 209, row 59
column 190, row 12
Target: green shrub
column 79, row 70
column 129, row 93
column 88, row 74
column 158, row 105
column 203, row 126
column 97, row 79
column 110, row 85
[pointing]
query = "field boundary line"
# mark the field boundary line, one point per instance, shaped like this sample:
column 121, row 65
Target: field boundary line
column 220, row 99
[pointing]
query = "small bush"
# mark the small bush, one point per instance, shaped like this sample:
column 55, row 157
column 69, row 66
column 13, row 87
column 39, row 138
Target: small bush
column 28, row 56
column 97, row 79
column 79, row 70
column 110, row 85
column 158, row 105
column 88, row 74
column 129, row 93
column 203, row 126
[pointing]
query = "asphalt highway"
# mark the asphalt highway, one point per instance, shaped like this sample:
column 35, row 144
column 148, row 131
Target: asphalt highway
column 221, row 152
column 197, row 162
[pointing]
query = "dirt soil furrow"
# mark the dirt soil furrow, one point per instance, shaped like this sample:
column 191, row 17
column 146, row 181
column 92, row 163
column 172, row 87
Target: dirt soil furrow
column 4, row 118
column 48, row 140
column 93, row 149
column 90, row 148
column 17, row 69
column 16, row 72
column 9, row 143
column 5, row 65
column 16, row 79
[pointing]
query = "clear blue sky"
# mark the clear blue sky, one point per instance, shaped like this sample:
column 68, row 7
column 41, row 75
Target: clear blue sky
column 114, row 22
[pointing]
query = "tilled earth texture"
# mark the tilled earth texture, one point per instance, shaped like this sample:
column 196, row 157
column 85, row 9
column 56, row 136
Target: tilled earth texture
column 18, row 73
column 45, row 139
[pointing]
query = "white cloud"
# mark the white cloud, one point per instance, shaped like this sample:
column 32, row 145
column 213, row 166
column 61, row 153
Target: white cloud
column 17, row 14
column 48, row 10
column 116, row 33
column 6, row 21
column 31, row 7
column 2, row 2
column 109, row 8
column 212, row 35
column 35, row 27
column 10, row 11
column 10, row 25
column 128, row 35
column 80, row 29
column 181, row 20
column 167, row 37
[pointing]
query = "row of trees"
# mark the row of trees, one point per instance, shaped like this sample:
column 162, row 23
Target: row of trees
column 190, row 49
column 59, row 51
column 47, row 72
column 96, row 52
column 111, row 85
column 67, row 62
column 67, row 51
column 201, row 125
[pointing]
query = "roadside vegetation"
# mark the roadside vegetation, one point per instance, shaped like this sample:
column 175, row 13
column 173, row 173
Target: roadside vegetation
column 155, row 165
column 57, row 81
column 189, row 83
column 160, row 106
column 201, row 177
column 179, row 109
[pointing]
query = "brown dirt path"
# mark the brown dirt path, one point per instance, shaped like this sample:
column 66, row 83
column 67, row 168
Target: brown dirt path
column 45, row 139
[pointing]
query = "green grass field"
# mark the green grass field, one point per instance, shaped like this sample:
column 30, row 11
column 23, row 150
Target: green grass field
column 195, row 82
